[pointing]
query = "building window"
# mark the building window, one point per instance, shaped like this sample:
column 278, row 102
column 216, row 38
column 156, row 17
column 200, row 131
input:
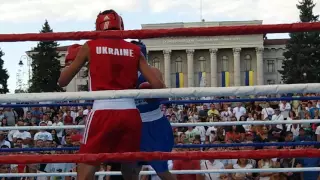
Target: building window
column 83, row 73
column 225, row 63
column 156, row 63
column 247, row 62
column 270, row 66
column 202, row 64
column 82, row 88
column 178, row 65
column 271, row 81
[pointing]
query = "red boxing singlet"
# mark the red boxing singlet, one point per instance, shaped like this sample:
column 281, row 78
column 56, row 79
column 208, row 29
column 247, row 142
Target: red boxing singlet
column 113, row 64
column 113, row 125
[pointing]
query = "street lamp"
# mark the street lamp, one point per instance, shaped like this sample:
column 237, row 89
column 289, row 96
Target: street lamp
column 304, row 75
column 20, row 63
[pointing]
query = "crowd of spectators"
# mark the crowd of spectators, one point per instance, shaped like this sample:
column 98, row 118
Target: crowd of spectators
column 188, row 113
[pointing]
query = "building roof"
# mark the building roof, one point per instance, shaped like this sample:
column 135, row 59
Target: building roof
column 266, row 42
column 275, row 41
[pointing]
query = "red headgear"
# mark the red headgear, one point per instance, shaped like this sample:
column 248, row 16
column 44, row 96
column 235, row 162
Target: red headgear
column 122, row 26
column 109, row 20
column 72, row 53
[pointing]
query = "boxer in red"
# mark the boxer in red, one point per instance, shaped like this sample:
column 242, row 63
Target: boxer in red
column 113, row 125
column 71, row 54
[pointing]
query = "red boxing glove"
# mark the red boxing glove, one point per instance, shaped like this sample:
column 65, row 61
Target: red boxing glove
column 145, row 85
column 72, row 53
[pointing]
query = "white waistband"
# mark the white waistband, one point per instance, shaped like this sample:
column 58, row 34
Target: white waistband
column 124, row 103
column 152, row 115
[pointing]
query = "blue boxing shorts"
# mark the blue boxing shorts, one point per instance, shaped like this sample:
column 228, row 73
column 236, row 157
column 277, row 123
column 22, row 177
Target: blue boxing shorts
column 157, row 136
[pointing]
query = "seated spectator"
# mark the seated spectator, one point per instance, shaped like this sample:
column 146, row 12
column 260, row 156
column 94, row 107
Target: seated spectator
column 213, row 110
column 55, row 137
column 25, row 136
column 278, row 117
column 239, row 111
column 234, row 135
column 43, row 134
column 294, row 128
column 242, row 164
column 214, row 164
column 3, row 141
column 275, row 132
column 68, row 119
column 28, row 117
column 226, row 114
column 302, row 136
column 46, row 119
column 262, row 136
column 267, row 112
column 11, row 116
column 191, row 133
column 4, row 122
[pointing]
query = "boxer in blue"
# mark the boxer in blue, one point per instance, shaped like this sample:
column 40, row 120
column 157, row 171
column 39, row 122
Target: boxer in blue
column 157, row 132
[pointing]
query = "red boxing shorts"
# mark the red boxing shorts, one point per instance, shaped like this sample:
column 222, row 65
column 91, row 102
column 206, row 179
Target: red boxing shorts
column 112, row 131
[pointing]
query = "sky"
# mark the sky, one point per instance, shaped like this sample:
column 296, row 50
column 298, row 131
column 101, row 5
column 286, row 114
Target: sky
column 28, row 16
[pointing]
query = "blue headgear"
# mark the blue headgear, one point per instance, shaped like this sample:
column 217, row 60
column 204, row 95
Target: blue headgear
column 142, row 46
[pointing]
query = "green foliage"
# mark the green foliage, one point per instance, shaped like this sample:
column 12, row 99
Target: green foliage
column 302, row 58
column 45, row 65
column 3, row 76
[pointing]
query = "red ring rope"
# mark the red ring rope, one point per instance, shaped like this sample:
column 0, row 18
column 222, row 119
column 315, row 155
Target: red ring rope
column 157, row 33
column 143, row 156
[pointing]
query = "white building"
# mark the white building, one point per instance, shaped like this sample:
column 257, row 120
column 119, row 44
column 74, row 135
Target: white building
column 213, row 56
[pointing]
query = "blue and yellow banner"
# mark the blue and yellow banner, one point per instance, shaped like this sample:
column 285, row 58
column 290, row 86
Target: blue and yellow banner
column 179, row 80
column 249, row 78
column 225, row 79
column 202, row 79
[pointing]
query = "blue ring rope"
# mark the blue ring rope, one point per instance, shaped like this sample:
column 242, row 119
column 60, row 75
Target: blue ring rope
column 173, row 102
column 176, row 146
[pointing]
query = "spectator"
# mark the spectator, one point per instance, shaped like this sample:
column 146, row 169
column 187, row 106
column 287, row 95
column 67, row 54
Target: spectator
column 28, row 117
column 278, row 117
column 213, row 110
column 68, row 119
column 214, row 164
column 25, row 136
column 284, row 108
column 4, row 122
column 43, row 134
column 3, row 141
column 11, row 116
column 267, row 112
column 239, row 111
column 242, row 164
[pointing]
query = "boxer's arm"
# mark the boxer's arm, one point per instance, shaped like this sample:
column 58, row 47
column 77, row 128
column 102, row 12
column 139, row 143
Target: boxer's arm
column 157, row 72
column 68, row 73
column 149, row 74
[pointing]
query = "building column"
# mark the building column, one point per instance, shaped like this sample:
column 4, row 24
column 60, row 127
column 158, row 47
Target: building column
column 260, row 70
column 167, row 67
column 236, row 66
column 213, row 67
column 190, row 54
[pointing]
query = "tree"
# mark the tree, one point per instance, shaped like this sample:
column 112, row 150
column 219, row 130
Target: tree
column 45, row 65
column 302, row 58
column 3, row 76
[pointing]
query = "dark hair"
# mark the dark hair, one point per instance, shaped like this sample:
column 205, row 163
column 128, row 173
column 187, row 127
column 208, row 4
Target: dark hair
column 4, row 146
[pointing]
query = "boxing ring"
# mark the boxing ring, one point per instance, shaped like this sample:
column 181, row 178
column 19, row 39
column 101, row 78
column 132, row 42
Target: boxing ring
column 27, row 158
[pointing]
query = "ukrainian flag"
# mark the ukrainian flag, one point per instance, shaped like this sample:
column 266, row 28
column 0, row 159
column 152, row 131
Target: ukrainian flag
column 179, row 80
column 225, row 79
column 202, row 79
column 249, row 78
